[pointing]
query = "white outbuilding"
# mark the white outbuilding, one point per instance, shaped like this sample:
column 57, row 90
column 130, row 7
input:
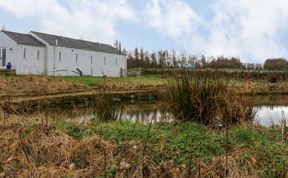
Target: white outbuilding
column 45, row 54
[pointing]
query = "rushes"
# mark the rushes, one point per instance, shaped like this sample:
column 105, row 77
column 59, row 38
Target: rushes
column 104, row 107
column 205, row 101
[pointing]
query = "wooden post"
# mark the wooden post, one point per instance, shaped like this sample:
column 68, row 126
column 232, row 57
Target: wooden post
column 284, row 127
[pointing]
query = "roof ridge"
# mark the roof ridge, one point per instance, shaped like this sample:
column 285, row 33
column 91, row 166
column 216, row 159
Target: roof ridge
column 77, row 43
column 8, row 31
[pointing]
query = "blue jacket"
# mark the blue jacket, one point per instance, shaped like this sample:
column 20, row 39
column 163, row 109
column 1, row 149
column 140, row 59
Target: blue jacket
column 9, row 66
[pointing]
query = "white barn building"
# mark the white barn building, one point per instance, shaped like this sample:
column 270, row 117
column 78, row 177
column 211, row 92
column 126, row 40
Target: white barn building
column 44, row 54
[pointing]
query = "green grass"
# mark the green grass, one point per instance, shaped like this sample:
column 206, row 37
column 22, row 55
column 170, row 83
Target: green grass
column 180, row 142
column 94, row 81
column 86, row 80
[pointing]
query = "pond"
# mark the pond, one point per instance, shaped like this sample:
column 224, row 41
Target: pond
column 156, row 111
column 271, row 115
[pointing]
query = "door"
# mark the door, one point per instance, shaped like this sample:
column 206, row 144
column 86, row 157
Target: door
column 3, row 57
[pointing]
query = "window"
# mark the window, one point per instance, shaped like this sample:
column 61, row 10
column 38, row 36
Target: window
column 76, row 58
column 116, row 62
column 60, row 56
column 104, row 60
column 24, row 54
column 38, row 54
column 91, row 59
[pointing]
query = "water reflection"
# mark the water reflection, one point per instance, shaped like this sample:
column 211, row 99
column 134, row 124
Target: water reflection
column 146, row 112
column 135, row 112
column 271, row 115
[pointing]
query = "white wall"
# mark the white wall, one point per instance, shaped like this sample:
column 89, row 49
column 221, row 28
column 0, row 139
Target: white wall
column 15, row 54
column 10, row 46
column 31, row 64
column 97, row 67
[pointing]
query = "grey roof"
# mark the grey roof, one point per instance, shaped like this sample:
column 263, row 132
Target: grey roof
column 76, row 43
column 25, row 39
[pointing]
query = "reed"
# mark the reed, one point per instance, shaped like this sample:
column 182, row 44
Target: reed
column 104, row 107
column 205, row 101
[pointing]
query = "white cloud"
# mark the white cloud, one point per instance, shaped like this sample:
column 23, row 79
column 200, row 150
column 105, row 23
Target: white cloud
column 173, row 18
column 248, row 29
column 91, row 19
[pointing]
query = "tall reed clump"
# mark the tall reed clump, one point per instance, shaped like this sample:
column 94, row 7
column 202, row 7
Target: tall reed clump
column 104, row 107
column 205, row 101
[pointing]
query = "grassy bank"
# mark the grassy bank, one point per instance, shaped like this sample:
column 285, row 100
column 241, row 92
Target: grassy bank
column 251, row 151
column 125, row 149
column 39, row 85
column 19, row 85
column 119, row 83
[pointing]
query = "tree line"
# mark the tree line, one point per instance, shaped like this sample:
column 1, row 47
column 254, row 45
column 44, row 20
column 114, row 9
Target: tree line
column 140, row 58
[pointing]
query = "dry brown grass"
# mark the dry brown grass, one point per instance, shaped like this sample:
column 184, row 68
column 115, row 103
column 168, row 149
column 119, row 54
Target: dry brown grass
column 50, row 154
column 37, row 85
column 251, row 86
column 29, row 149
column 217, row 166
column 112, row 84
column 208, row 102
column 38, row 151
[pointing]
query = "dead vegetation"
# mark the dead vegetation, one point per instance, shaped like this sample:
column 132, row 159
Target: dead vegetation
column 262, row 87
column 217, row 167
column 207, row 101
column 31, row 149
column 136, row 84
column 43, row 152
column 37, row 85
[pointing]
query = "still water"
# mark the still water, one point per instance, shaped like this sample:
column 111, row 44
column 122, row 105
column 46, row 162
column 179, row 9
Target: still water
column 271, row 115
column 146, row 112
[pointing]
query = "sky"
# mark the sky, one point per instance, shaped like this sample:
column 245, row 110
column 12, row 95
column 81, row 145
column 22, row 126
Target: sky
column 252, row 30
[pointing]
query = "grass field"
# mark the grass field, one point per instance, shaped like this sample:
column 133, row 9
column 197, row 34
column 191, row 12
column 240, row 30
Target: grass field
column 139, row 80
